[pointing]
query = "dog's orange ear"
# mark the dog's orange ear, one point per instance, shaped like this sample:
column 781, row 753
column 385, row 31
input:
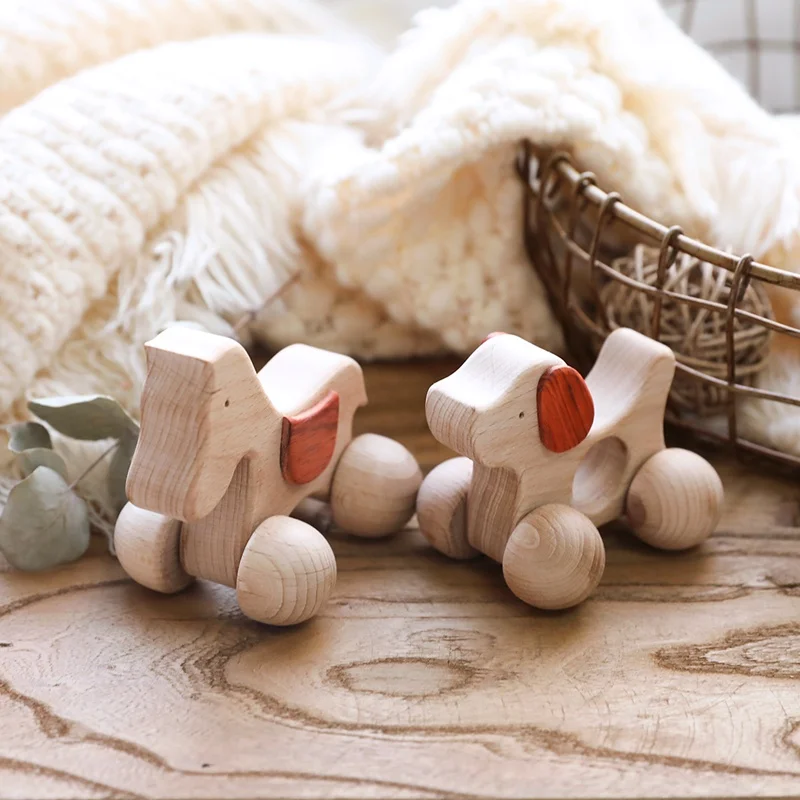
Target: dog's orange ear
column 309, row 439
column 566, row 409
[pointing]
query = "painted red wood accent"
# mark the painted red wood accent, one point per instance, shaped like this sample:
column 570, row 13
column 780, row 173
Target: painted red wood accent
column 566, row 409
column 308, row 440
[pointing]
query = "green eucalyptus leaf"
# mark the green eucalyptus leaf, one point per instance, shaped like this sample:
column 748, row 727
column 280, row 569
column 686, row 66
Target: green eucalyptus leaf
column 28, row 460
column 118, row 470
column 28, row 435
column 91, row 417
column 44, row 523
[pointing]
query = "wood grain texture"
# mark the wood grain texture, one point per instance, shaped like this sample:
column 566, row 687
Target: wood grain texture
column 565, row 409
column 423, row 677
column 308, row 440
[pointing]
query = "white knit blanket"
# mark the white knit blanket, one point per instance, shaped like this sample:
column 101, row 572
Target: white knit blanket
column 205, row 160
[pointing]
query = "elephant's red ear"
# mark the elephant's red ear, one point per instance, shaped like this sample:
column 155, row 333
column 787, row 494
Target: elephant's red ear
column 566, row 409
column 308, row 441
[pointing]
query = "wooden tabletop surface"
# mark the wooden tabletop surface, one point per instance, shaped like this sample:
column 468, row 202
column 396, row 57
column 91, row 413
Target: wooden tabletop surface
column 423, row 677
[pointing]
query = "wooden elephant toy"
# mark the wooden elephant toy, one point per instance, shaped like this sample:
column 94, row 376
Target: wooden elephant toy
column 549, row 456
column 225, row 455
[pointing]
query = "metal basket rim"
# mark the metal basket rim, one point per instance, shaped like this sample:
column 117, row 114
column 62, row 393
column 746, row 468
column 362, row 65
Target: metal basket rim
column 586, row 186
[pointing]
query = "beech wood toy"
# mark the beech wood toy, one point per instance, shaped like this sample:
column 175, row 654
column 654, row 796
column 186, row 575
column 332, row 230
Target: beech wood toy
column 549, row 456
column 225, row 455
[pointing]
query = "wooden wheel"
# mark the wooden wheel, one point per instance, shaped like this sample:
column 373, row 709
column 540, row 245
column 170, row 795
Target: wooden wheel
column 554, row 558
column 286, row 574
column 148, row 548
column 375, row 486
column 675, row 500
column 442, row 508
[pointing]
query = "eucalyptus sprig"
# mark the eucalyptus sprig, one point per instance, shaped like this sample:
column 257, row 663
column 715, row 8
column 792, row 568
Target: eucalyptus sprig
column 45, row 521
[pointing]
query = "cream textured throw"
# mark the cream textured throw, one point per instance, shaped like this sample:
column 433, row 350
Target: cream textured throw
column 181, row 160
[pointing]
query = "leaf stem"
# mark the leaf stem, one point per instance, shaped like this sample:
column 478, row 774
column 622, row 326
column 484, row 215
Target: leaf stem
column 94, row 464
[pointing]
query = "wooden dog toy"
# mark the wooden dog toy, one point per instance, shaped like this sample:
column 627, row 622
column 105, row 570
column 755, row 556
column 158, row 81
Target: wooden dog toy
column 549, row 456
column 225, row 455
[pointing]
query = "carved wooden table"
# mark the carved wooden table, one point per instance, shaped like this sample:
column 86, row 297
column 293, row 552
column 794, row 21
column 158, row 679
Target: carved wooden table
column 424, row 677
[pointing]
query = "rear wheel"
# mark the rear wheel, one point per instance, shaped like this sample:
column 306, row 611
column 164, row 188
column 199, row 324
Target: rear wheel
column 675, row 500
column 375, row 485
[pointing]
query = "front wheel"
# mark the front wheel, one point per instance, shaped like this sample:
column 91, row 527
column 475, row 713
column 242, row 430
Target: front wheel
column 554, row 558
column 148, row 548
column 286, row 574
column 442, row 508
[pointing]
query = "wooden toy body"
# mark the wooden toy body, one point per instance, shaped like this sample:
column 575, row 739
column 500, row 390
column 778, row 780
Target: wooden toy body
column 298, row 378
column 537, row 436
column 222, row 450
column 629, row 396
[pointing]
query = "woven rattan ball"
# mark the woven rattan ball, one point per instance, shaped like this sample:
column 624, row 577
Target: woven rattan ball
column 696, row 335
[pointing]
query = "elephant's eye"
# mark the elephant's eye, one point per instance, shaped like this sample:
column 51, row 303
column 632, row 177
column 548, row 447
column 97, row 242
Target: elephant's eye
column 521, row 414
column 227, row 403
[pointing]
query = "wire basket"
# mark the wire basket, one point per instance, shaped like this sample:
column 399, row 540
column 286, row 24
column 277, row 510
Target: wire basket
column 580, row 240
column 576, row 235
